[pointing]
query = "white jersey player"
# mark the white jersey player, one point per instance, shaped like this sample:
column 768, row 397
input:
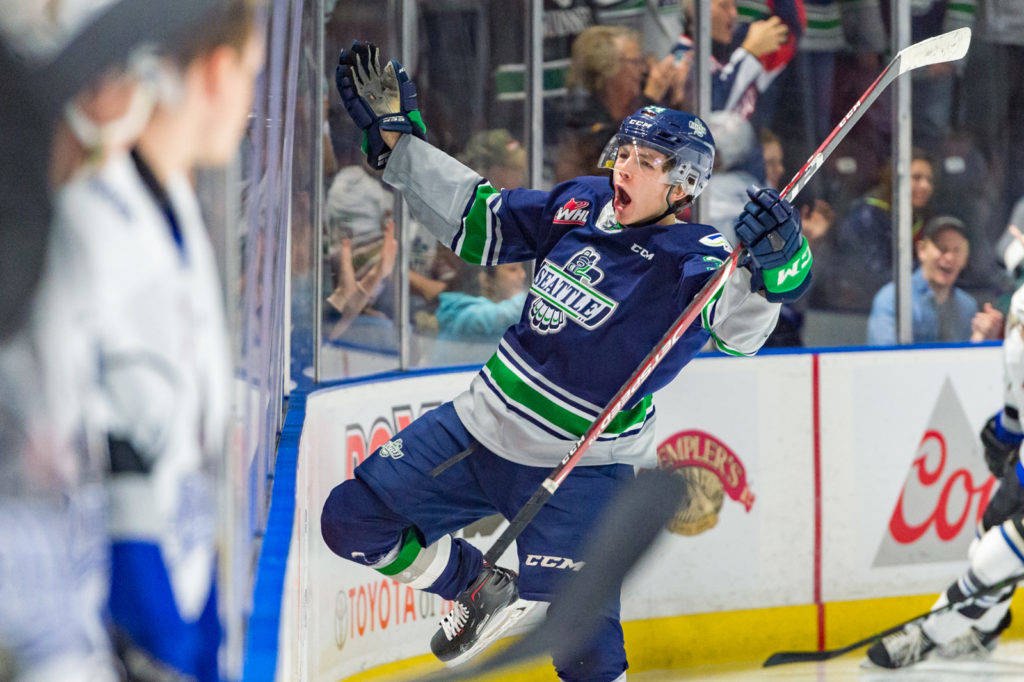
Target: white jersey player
column 165, row 379
column 53, row 568
column 997, row 553
column 165, row 374
column 53, row 549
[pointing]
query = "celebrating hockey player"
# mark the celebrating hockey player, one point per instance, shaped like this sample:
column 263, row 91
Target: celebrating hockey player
column 614, row 269
column 997, row 553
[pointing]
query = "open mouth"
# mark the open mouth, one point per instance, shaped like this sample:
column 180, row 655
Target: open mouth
column 622, row 198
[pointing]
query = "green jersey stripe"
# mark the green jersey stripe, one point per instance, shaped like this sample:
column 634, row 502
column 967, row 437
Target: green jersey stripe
column 547, row 393
column 518, row 391
column 543, row 384
column 475, row 226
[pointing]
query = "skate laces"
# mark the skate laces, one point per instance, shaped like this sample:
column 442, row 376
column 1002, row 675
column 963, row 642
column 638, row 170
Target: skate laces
column 909, row 645
column 454, row 621
column 967, row 644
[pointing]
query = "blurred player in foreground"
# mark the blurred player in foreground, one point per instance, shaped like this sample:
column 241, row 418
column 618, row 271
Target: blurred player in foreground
column 155, row 308
column 74, row 91
column 998, row 551
column 614, row 269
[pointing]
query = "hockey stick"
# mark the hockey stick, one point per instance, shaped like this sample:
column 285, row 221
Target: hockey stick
column 943, row 48
column 783, row 657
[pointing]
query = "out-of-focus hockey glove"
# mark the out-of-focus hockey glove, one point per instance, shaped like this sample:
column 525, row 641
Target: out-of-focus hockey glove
column 1000, row 444
column 780, row 258
column 377, row 99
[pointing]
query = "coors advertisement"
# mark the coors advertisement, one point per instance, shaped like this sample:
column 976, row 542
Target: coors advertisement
column 944, row 494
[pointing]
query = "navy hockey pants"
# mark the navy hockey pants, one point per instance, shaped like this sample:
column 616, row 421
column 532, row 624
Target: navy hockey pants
column 365, row 517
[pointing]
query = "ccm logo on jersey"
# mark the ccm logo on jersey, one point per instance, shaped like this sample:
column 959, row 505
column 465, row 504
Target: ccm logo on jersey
column 636, row 248
column 553, row 562
column 573, row 213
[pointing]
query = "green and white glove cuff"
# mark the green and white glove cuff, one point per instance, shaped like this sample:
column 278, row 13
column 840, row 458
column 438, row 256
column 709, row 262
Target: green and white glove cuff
column 788, row 282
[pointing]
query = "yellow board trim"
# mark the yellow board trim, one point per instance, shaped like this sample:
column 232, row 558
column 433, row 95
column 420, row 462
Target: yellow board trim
column 746, row 636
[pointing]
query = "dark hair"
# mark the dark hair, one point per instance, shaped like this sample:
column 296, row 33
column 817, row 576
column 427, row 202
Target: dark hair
column 230, row 24
column 884, row 188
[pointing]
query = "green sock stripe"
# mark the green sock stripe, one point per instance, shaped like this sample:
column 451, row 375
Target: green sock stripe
column 411, row 548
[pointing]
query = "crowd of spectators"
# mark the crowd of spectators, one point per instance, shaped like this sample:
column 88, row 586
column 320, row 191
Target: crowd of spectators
column 783, row 73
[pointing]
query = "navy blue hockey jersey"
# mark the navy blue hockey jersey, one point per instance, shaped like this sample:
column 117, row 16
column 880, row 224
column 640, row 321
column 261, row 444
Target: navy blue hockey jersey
column 601, row 299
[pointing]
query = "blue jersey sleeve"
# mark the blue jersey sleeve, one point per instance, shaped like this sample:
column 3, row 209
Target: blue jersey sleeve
column 737, row 320
column 695, row 271
column 481, row 224
column 503, row 226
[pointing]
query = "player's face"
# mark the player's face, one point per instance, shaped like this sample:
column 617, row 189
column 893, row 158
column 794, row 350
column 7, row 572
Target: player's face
column 114, row 105
column 231, row 76
column 639, row 178
column 942, row 257
column 723, row 20
column 921, row 183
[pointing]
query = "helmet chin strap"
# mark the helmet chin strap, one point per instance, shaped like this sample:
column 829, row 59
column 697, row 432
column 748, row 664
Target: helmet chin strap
column 672, row 207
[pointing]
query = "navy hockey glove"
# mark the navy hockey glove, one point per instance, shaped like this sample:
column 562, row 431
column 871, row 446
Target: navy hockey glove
column 1000, row 444
column 780, row 258
column 377, row 99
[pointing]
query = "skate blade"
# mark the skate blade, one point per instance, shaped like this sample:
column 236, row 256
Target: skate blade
column 492, row 630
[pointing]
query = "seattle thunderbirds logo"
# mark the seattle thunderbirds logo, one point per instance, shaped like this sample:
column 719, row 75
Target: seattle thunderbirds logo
column 568, row 292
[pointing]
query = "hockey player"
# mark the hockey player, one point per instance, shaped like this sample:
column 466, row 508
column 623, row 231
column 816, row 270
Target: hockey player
column 998, row 551
column 613, row 271
column 161, row 339
column 74, row 90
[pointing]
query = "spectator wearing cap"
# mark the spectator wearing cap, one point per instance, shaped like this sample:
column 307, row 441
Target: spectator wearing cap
column 941, row 311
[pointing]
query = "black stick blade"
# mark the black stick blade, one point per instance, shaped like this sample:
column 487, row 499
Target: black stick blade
column 784, row 657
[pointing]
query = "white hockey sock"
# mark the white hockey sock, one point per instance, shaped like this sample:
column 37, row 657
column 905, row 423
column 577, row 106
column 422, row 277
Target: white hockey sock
column 415, row 565
column 997, row 557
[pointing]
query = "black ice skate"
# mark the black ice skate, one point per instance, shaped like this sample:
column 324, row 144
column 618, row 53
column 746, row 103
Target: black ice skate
column 902, row 648
column 975, row 643
column 484, row 610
